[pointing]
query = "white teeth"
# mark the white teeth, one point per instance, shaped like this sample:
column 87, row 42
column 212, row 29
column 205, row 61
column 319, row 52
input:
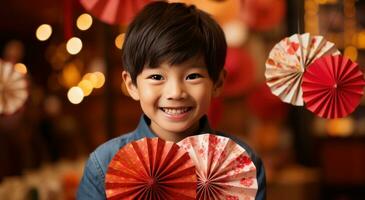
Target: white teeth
column 175, row 111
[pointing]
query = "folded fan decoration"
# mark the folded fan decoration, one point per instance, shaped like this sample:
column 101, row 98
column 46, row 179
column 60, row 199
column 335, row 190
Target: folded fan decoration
column 151, row 169
column 332, row 86
column 13, row 88
column 288, row 60
column 114, row 11
column 224, row 169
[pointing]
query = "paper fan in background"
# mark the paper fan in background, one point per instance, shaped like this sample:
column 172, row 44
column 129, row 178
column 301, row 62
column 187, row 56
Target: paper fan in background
column 114, row 11
column 240, row 68
column 332, row 86
column 151, row 169
column 224, row 169
column 13, row 88
column 288, row 60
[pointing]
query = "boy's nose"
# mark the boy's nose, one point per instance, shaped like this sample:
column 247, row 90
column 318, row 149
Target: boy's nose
column 175, row 91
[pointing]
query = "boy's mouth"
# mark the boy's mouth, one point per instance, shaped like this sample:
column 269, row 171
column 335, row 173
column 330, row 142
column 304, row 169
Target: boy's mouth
column 175, row 111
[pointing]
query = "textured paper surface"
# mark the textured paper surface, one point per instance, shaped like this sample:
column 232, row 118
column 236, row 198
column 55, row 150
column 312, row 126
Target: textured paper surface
column 151, row 169
column 224, row 169
column 13, row 89
column 288, row 60
column 332, row 86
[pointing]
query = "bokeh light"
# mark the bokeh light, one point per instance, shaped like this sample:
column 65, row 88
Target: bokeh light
column 86, row 87
column 100, row 80
column 74, row 45
column 43, row 32
column 119, row 40
column 21, row 68
column 84, row 22
column 75, row 95
column 70, row 75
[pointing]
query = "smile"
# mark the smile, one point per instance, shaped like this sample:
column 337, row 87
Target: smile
column 176, row 111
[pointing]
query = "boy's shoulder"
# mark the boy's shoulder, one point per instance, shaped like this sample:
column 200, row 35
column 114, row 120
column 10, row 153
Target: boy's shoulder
column 103, row 154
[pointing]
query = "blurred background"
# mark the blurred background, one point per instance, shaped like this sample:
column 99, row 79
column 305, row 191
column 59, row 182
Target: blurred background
column 69, row 97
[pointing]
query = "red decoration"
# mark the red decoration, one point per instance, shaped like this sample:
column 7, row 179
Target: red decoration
column 224, row 169
column 114, row 11
column 240, row 72
column 263, row 15
column 151, row 169
column 264, row 105
column 332, row 86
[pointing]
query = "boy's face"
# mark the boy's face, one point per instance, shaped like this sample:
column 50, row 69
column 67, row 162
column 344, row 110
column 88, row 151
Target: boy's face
column 174, row 97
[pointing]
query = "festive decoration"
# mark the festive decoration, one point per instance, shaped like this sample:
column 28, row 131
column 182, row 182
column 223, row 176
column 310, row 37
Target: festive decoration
column 224, row 169
column 13, row 88
column 151, row 169
column 332, row 86
column 264, row 105
column 240, row 72
column 114, row 11
column 263, row 15
column 288, row 60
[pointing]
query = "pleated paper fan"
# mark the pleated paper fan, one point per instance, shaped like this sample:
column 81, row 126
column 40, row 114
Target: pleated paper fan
column 288, row 60
column 114, row 11
column 151, row 169
column 224, row 169
column 13, row 89
column 332, row 86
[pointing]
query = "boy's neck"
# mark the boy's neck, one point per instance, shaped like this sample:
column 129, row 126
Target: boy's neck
column 174, row 136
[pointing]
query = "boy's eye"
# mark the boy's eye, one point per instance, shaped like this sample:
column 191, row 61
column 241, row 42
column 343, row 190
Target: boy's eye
column 193, row 76
column 155, row 77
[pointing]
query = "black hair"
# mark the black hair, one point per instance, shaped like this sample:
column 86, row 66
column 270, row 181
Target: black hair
column 173, row 32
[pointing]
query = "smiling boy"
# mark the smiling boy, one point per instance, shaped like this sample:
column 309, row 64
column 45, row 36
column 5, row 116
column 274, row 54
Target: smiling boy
column 173, row 56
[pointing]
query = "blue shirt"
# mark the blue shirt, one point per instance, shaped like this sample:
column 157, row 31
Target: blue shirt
column 92, row 184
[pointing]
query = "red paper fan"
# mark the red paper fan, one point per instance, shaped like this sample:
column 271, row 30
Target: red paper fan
column 151, row 169
column 332, row 86
column 224, row 169
column 13, row 89
column 240, row 72
column 114, row 11
column 263, row 15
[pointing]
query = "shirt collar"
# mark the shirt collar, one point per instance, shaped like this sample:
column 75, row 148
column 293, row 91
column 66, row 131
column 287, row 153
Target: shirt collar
column 143, row 129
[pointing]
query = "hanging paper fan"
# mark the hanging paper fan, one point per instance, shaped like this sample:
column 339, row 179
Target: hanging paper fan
column 332, row 86
column 224, row 169
column 240, row 68
column 13, row 88
column 288, row 60
column 151, row 169
column 114, row 11
column 263, row 15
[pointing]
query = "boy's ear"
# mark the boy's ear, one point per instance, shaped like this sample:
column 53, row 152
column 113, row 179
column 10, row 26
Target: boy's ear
column 218, row 87
column 130, row 86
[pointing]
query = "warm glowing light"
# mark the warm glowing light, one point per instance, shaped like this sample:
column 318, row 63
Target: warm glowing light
column 235, row 32
column 119, row 40
column 92, row 77
column 361, row 39
column 43, row 32
column 70, row 75
column 351, row 52
column 21, row 68
column 342, row 127
column 84, row 22
column 75, row 95
column 74, row 45
column 86, row 87
column 100, row 79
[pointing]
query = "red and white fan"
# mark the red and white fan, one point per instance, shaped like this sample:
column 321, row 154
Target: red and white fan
column 151, row 169
column 333, row 86
column 13, row 88
column 114, row 11
column 224, row 169
column 288, row 60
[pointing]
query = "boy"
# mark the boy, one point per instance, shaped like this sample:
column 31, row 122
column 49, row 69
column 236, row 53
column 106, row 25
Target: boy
column 173, row 56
